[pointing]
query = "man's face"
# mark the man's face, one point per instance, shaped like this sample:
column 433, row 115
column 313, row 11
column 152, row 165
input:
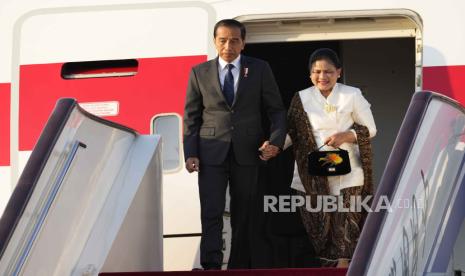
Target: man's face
column 228, row 42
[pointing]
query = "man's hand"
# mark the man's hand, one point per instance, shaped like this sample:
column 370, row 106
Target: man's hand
column 336, row 140
column 268, row 151
column 192, row 164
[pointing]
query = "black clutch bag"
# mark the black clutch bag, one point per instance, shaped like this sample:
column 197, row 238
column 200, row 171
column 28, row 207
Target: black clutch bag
column 328, row 163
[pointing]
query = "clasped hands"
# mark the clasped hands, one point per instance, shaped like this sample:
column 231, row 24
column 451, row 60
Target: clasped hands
column 267, row 151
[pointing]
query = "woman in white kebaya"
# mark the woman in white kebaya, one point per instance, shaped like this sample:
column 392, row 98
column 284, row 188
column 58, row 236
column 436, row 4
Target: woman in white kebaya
column 337, row 116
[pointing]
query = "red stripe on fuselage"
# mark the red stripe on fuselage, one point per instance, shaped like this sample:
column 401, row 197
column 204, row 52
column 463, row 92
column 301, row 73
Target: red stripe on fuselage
column 158, row 87
column 447, row 80
column 5, row 92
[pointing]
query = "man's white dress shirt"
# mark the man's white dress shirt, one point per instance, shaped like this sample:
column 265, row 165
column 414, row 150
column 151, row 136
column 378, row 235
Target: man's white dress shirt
column 222, row 71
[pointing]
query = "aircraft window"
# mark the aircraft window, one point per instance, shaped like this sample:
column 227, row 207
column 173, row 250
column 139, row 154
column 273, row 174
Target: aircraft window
column 99, row 69
column 169, row 126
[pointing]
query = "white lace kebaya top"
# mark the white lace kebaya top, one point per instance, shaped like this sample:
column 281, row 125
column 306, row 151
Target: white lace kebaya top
column 337, row 113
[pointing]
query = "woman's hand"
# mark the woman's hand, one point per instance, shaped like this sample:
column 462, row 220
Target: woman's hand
column 336, row 140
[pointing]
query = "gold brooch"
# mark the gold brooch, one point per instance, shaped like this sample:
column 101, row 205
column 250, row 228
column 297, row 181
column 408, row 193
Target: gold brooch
column 329, row 108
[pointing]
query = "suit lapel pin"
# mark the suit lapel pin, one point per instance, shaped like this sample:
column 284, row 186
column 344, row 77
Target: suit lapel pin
column 246, row 72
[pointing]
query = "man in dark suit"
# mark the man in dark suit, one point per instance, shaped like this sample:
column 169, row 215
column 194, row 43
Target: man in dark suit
column 222, row 137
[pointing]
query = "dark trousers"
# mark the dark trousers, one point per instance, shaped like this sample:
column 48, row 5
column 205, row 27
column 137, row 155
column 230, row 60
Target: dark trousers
column 213, row 181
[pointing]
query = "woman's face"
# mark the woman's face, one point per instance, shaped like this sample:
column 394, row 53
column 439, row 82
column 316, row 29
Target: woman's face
column 324, row 75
